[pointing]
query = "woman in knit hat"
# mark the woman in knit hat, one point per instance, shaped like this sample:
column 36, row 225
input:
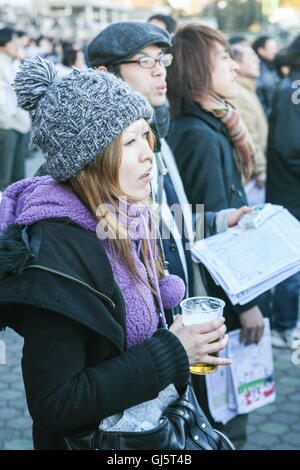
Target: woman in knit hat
column 82, row 279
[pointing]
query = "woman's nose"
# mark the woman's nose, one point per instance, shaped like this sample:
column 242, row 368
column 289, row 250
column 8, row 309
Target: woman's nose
column 146, row 153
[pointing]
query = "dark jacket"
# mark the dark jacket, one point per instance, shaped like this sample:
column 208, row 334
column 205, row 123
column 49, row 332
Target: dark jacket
column 266, row 85
column 57, row 290
column 283, row 164
column 204, row 156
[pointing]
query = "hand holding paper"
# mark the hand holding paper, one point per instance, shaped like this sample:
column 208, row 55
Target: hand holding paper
column 252, row 323
column 246, row 263
column 235, row 216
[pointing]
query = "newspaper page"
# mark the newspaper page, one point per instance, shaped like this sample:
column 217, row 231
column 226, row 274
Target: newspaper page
column 249, row 262
column 248, row 383
column 252, row 371
column 220, row 393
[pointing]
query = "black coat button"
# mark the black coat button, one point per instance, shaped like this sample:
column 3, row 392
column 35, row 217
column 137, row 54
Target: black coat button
column 173, row 247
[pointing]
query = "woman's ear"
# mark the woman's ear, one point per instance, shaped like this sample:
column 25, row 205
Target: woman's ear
column 102, row 68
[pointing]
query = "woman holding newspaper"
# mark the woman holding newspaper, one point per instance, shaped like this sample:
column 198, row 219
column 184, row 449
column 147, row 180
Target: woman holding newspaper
column 211, row 143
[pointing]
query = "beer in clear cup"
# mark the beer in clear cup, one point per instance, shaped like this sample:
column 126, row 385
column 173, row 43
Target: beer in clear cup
column 199, row 310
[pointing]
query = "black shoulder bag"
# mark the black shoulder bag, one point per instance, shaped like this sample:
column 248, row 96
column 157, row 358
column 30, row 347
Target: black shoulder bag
column 183, row 426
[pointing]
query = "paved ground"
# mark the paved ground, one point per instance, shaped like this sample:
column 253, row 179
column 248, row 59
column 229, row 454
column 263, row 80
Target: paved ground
column 275, row 426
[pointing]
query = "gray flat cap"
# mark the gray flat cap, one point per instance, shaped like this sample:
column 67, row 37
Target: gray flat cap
column 120, row 41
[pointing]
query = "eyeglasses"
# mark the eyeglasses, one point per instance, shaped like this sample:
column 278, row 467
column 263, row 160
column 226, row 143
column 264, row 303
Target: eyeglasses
column 149, row 62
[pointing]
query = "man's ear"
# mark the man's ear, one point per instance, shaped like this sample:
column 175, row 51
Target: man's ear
column 102, row 68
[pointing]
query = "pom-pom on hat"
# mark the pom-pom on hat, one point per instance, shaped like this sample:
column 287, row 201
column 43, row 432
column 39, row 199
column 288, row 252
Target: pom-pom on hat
column 77, row 115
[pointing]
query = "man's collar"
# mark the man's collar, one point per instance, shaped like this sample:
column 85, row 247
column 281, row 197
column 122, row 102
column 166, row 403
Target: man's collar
column 160, row 124
column 196, row 110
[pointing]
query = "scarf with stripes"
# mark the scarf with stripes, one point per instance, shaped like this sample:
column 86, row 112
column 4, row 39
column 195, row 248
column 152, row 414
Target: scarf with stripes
column 238, row 133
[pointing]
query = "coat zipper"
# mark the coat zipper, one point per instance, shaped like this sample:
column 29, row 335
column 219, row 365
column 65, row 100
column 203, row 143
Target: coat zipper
column 71, row 278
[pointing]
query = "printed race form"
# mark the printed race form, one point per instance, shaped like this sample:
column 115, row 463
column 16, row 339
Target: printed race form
column 248, row 383
column 247, row 263
column 252, row 371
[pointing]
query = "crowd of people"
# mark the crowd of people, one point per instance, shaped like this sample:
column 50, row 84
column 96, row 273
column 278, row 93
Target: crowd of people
column 213, row 120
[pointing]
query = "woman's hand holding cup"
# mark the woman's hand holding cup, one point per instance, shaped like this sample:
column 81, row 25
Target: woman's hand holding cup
column 201, row 330
column 201, row 340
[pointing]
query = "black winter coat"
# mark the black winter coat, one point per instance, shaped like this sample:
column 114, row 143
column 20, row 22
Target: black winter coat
column 283, row 163
column 204, row 156
column 57, row 290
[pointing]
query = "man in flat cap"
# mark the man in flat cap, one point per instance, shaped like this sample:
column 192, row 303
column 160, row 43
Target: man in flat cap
column 138, row 53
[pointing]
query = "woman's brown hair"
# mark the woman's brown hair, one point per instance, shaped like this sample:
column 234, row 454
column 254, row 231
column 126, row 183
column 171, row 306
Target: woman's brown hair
column 190, row 71
column 97, row 186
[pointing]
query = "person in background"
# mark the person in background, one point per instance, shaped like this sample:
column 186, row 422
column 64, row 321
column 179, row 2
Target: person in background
column 283, row 183
column 15, row 123
column 32, row 48
column 84, row 281
column 252, row 113
column 71, row 58
column 163, row 21
column 266, row 49
column 23, row 41
column 281, row 63
column 214, row 153
column 46, row 48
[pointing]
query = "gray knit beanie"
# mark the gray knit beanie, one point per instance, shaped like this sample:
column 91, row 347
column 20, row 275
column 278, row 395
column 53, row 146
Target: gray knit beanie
column 77, row 115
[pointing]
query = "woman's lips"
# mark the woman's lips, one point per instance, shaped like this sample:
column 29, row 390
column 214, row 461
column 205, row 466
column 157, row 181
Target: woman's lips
column 147, row 176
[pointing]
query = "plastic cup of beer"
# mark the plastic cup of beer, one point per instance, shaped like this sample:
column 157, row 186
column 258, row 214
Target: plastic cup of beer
column 199, row 310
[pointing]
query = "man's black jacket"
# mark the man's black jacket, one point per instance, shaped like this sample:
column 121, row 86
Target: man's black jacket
column 283, row 163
